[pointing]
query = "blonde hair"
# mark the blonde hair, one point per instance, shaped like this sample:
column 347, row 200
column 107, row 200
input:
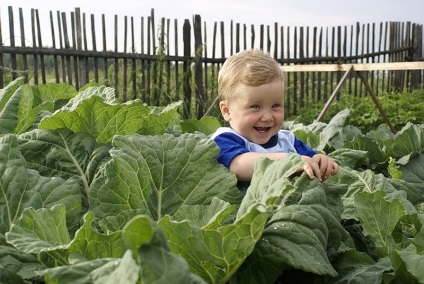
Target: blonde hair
column 252, row 67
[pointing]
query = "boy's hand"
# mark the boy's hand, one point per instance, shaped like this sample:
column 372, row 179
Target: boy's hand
column 320, row 167
column 327, row 166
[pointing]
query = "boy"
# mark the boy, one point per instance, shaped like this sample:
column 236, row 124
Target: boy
column 250, row 88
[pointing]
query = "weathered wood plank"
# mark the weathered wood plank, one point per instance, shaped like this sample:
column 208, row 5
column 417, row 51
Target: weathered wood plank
column 105, row 63
column 125, row 67
column 61, row 46
column 133, row 61
column 34, row 44
column 176, row 67
column 12, row 41
column 168, row 63
column 81, row 63
column 116, row 61
column 94, row 43
column 24, row 57
column 419, row 65
column 55, row 60
column 187, row 69
column 74, row 47
column 1, row 57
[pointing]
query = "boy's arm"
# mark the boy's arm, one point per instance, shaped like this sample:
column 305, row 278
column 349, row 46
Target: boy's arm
column 240, row 161
column 243, row 165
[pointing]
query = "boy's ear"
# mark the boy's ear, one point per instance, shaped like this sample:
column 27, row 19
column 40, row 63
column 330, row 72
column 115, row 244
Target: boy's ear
column 225, row 110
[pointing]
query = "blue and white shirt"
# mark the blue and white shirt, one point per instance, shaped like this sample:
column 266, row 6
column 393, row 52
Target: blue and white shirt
column 233, row 144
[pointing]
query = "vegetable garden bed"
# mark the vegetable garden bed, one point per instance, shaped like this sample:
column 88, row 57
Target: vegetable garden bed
column 96, row 191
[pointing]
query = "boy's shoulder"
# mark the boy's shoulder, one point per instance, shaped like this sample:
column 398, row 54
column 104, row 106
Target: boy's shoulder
column 282, row 134
column 222, row 130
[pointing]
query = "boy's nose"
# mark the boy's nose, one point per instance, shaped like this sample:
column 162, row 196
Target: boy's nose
column 266, row 116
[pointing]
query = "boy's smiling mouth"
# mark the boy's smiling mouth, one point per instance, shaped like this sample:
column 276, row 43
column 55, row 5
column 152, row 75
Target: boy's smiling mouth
column 262, row 129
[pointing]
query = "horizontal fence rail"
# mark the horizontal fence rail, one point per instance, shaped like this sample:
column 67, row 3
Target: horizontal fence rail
column 357, row 68
column 163, row 62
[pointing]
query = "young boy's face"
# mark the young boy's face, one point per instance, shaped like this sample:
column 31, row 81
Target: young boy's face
column 256, row 112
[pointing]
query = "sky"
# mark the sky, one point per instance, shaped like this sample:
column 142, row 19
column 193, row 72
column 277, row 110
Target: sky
column 312, row 13
column 285, row 12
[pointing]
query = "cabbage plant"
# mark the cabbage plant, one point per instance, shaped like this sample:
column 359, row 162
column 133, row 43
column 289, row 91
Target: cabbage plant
column 97, row 191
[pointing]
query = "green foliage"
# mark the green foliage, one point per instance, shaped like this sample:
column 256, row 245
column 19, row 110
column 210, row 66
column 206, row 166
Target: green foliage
column 393, row 169
column 206, row 125
column 400, row 108
column 98, row 191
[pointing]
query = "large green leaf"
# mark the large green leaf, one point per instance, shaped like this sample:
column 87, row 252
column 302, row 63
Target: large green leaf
column 150, row 248
column 42, row 230
column 9, row 115
column 378, row 150
column 64, row 153
column 160, row 119
column 215, row 254
column 157, row 175
column 208, row 216
column 22, row 188
column 17, row 264
column 309, row 138
column 102, row 118
column 379, row 217
column 296, row 236
column 27, row 111
column 89, row 244
column 357, row 182
column 413, row 261
column 332, row 129
column 53, row 92
column 107, row 94
column 357, row 268
column 7, row 276
column 94, row 272
column 350, row 158
column 413, row 172
column 156, row 266
column 414, row 191
column 300, row 230
column 8, row 91
column 206, row 125
column 99, row 119
column 269, row 183
column 142, row 230
column 409, row 141
column 26, row 104
column 45, row 230
column 38, row 99
column 346, row 133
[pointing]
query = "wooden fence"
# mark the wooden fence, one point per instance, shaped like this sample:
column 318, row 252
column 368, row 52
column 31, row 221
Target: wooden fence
column 159, row 73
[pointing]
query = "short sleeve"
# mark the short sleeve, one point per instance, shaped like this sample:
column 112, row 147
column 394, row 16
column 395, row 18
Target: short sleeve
column 231, row 145
column 303, row 149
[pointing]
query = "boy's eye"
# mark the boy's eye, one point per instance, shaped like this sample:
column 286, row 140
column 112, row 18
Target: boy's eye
column 276, row 105
column 255, row 106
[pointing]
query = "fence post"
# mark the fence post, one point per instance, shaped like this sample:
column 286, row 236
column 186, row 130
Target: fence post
column 417, row 55
column 12, row 43
column 80, row 60
column 1, row 58
column 198, row 68
column 187, row 70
